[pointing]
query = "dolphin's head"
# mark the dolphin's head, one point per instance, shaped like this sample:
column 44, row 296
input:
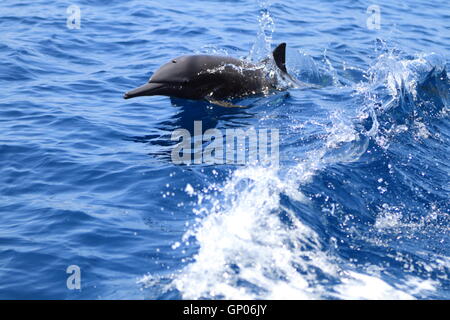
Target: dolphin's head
column 177, row 78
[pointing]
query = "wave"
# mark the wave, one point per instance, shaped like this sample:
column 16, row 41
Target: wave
column 273, row 233
column 343, row 216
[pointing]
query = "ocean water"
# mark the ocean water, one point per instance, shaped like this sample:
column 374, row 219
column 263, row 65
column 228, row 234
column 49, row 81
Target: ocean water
column 358, row 207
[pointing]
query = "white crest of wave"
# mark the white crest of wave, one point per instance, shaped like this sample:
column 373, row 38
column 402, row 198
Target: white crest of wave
column 247, row 252
column 403, row 74
column 248, row 244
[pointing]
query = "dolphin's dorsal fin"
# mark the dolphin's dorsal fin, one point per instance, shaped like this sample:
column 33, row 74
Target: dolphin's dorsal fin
column 279, row 55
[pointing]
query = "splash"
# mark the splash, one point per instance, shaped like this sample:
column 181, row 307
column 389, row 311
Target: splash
column 396, row 95
column 262, row 47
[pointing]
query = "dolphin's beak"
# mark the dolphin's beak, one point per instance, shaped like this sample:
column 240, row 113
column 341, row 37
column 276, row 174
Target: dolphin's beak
column 148, row 89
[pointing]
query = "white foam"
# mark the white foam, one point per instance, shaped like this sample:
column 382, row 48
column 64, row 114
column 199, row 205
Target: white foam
column 247, row 252
column 365, row 287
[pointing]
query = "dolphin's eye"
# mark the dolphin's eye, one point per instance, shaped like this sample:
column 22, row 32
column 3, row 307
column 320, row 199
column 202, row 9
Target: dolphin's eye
column 174, row 61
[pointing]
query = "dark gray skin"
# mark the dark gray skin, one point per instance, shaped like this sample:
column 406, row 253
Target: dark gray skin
column 215, row 78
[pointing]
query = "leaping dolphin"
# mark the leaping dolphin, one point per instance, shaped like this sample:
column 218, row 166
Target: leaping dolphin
column 213, row 78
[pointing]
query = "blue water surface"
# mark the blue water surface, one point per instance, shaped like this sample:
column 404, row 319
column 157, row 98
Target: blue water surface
column 357, row 209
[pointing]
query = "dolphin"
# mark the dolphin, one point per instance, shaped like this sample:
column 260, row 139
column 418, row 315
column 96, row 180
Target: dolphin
column 214, row 78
